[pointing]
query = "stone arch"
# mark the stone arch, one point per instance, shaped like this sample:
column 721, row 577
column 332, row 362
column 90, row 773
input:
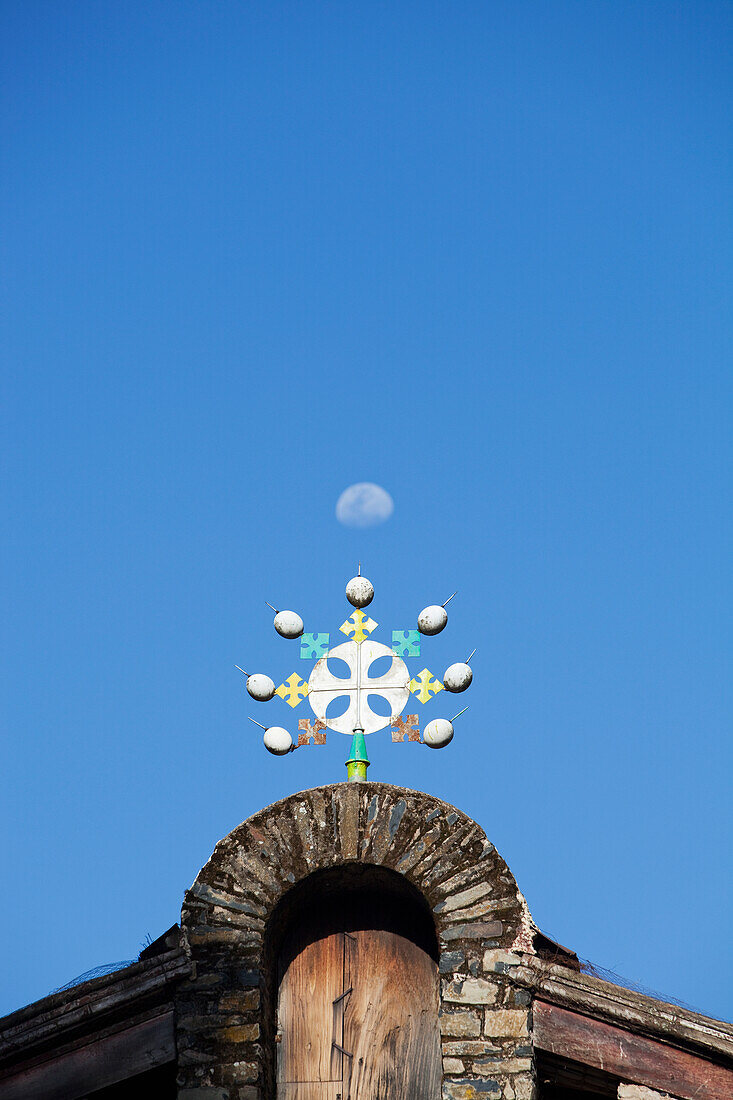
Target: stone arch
column 227, row 917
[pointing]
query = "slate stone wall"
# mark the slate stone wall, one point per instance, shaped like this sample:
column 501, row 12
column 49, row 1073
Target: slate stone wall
column 225, row 1011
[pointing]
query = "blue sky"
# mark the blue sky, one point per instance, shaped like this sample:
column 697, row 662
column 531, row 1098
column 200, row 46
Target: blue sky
column 477, row 253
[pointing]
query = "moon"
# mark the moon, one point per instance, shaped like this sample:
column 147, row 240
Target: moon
column 364, row 505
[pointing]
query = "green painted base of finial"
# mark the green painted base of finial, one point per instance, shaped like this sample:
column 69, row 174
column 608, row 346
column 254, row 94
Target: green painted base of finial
column 358, row 762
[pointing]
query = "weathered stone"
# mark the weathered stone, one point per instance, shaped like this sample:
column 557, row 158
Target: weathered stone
column 501, row 1022
column 492, row 1066
column 248, row 978
column 524, row 1087
column 221, row 916
column 469, row 991
column 209, row 1021
column 452, row 1065
column 240, row 1000
column 450, row 961
column 202, row 981
column 460, row 1023
column 482, row 908
column 518, row 997
column 229, row 936
column 245, row 1073
column 203, row 891
column 470, row 1048
column 470, row 1089
column 464, row 898
column 246, row 1033
column 190, row 1057
column 347, row 799
column 473, row 874
column 500, row 961
column 479, row 931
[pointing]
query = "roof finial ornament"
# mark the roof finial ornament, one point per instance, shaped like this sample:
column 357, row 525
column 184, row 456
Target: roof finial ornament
column 395, row 686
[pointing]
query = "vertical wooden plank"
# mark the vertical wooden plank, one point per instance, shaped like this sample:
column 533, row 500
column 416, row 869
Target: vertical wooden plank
column 392, row 1020
column 358, row 1007
column 310, row 1090
column 308, row 989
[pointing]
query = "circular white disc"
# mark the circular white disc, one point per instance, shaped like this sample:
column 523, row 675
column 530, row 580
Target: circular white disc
column 288, row 624
column 392, row 686
column 458, row 677
column 277, row 740
column 438, row 733
column 431, row 620
column 260, row 687
column 359, row 591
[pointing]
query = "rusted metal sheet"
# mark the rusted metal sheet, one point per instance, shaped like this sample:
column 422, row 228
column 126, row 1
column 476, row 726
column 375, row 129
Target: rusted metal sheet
column 311, row 731
column 407, row 725
column 631, row 1057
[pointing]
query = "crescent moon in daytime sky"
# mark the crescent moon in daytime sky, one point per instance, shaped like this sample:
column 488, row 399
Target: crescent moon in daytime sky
column 364, row 505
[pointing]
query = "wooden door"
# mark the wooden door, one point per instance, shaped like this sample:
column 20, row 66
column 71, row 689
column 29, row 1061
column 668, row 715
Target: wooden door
column 358, row 1018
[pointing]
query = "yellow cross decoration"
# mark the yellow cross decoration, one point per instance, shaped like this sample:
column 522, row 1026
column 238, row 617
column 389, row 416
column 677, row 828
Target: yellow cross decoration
column 423, row 686
column 359, row 625
column 293, row 690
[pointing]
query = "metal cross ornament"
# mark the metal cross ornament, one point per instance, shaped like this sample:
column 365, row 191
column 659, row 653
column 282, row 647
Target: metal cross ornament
column 324, row 688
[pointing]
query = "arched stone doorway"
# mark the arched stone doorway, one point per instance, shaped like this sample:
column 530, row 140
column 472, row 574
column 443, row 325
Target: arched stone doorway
column 357, row 999
column 253, row 893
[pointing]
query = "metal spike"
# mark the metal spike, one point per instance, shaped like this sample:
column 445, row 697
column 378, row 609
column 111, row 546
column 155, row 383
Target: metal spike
column 242, row 671
column 469, row 656
column 449, row 598
column 460, row 712
column 273, row 608
column 258, row 724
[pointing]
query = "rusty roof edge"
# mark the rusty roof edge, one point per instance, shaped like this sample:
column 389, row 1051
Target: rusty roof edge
column 83, row 1005
column 626, row 1008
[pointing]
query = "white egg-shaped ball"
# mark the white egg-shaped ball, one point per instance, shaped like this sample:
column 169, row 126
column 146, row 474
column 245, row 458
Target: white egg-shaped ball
column 260, row 687
column 457, row 677
column 277, row 740
column 288, row 624
column 359, row 591
column 431, row 620
column 438, row 733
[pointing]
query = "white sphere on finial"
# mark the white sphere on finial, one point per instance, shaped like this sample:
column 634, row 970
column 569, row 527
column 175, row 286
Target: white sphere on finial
column 431, row 620
column 458, row 677
column 288, row 624
column 359, row 591
column 260, row 687
column 438, row 733
column 277, row 740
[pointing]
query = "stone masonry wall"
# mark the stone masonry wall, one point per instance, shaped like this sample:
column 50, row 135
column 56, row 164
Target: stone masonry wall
column 481, row 920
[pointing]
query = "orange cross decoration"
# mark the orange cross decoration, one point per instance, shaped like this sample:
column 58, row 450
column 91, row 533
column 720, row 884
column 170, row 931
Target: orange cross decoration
column 407, row 725
column 315, row 732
